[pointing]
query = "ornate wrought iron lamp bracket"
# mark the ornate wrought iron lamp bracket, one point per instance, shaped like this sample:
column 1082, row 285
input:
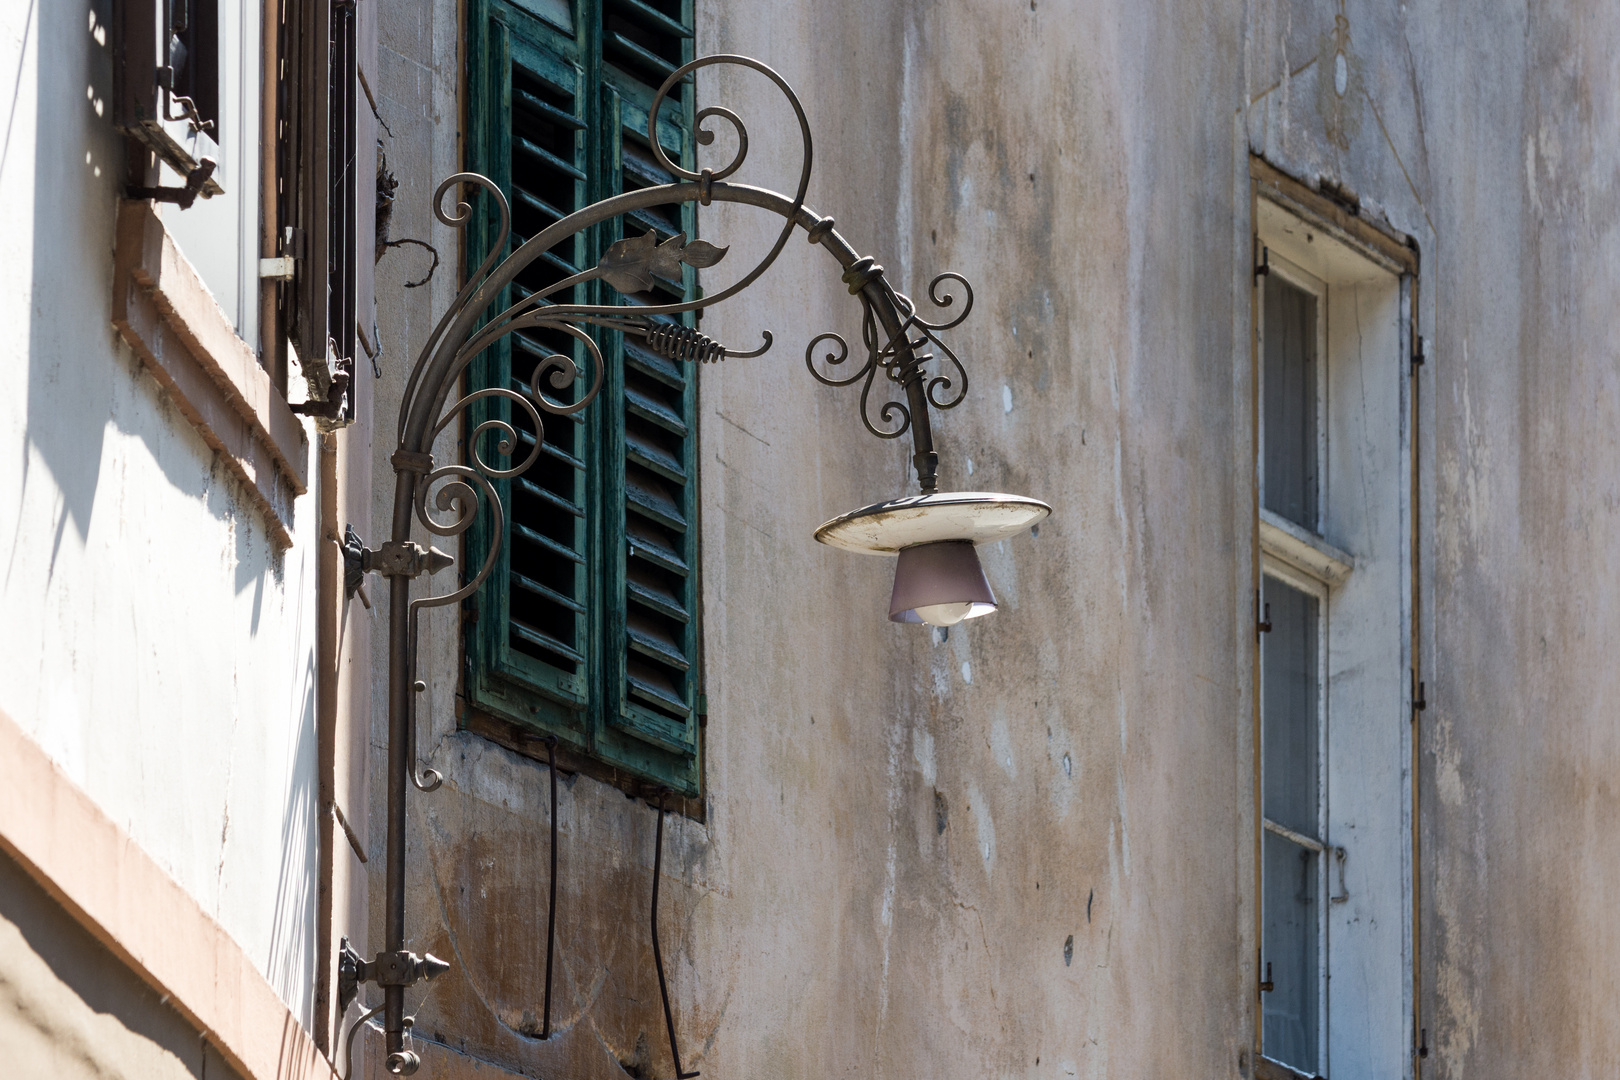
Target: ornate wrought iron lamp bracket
column 897, row 343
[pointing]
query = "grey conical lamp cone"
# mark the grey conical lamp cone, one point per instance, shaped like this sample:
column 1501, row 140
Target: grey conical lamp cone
column 940, row 584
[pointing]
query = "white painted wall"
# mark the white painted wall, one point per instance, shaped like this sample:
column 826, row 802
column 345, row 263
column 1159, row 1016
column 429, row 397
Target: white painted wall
column 150, row 637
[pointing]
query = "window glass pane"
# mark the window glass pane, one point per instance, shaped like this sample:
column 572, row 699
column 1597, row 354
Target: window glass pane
column 1288, row 949
column 1289, row 400
column 1288, row 709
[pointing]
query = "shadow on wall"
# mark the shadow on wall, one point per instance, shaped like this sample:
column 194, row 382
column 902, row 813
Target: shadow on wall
column 71, row 1010
column 79, row 169
column 292, row 933
column 77, row 163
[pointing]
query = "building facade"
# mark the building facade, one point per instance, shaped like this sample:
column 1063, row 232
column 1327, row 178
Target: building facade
column 1282, row 757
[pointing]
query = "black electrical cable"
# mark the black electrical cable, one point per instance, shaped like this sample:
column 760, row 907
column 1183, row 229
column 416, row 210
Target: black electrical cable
column 658, row 959
column 551, row 909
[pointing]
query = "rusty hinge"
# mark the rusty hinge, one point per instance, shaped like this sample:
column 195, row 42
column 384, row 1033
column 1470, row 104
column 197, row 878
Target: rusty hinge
column 1419, row 352
column 1266, row 985
column 1419, row 699
column 1423, row 1043
column 1262, row 624
column 1262, row 260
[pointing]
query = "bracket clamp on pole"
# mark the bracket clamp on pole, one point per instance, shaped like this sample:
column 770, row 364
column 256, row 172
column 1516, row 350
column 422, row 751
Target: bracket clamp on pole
column 404, row 558
column 387, row 969
column 410, row 461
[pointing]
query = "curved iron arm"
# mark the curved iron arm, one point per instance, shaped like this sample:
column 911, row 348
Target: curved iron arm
column 895, row 337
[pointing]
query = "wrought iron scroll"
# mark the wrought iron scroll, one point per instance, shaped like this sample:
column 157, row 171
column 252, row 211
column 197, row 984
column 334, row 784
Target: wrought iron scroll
column 898, row 355
column 445, row 499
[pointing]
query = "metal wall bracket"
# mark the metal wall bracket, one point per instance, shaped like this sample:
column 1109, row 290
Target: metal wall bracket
column 404, row 558
column 405, row 968
column 351, row 965
column 388, row 969
column 354, row 570
column 898, row 338
column 182, row 197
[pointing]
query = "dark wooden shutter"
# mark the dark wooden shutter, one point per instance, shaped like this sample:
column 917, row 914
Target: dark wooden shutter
column 654, row 507
column 533, row 634
column 328, row 190
column 589, row 629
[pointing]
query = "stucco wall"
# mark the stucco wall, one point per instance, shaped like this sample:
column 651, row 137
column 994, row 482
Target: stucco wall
column 70, row 1010
column 1520, row 736
column 153, row 640
column 903, row 830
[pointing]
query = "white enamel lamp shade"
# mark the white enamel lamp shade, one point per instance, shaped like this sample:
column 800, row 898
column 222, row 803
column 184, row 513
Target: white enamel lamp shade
column 937, row 579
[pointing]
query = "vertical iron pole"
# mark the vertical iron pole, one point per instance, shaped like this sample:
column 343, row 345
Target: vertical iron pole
column 399, row 675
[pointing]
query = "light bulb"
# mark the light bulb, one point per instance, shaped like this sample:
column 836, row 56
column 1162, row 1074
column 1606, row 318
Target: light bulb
column 943, row 614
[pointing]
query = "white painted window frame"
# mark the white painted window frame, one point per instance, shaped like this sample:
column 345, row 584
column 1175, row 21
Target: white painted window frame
column 1312, row 563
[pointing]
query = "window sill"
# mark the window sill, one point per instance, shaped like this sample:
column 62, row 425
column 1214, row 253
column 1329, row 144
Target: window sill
column 1270, row 1069
column 167, row 315
column 529, row 744
column 1302, row 550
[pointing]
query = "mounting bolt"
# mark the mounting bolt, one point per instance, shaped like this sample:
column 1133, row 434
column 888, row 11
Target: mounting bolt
column 354, row 571
column 352, row 971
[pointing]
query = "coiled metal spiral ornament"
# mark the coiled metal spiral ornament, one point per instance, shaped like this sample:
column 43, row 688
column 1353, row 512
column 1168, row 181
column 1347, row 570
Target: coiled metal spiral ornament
column 676, row 342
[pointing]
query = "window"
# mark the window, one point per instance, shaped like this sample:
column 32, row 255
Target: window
column 183, row 95
column 182, row 102
column 1292, row 852
column 588, row 629
column 1332, row 463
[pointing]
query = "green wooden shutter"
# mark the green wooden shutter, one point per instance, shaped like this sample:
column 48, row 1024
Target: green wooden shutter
column 589, row 629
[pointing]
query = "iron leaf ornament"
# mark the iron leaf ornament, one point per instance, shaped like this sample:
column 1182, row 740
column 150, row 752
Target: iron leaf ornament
column 630, row 265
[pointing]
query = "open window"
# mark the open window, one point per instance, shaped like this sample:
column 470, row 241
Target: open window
column 168, row 74
column 1333, row 529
